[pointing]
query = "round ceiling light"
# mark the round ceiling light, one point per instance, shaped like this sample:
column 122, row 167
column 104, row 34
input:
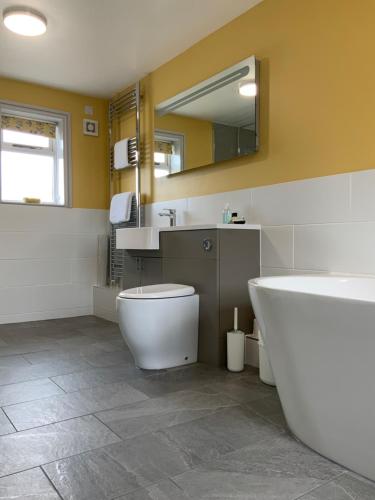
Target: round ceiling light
column 248, row 89
column 24, row 21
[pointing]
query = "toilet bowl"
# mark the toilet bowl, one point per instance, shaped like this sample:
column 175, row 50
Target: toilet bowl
column 159, row 323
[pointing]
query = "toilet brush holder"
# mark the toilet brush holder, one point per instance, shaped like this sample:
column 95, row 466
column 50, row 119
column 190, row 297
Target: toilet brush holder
column 235, row 351
column 235, row 347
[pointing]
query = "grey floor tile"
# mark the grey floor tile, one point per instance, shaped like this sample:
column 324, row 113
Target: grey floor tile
column 237, row 426
column 104, row 359
column 270, row 408
column 49, row 369
column 28, row 485
column 159, row 413
column 277, row 468
column 180, row 379
column 205, row 434
column 27, row 449
column 55, row 355
column 208, row 438
column 165, row 490
column 90, row 476
column 100, row 331
column 75, row 404
column 75, row 341
column 97, row 376
column 5, row 426
column 26, row 347
column 60, row 353
column 345, row 487
column 28, row 391
column 13, row 362
column 242, row 390
column 195, row 442
column 149, row 458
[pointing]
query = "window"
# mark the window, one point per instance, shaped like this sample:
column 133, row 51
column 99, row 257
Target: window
column 34, row 156
column 168, row 153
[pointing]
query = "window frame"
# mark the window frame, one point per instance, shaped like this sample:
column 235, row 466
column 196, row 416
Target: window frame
column 63, row 131
column 176, row 138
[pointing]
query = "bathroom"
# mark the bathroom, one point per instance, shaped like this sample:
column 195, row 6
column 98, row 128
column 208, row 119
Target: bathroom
column 84, row 413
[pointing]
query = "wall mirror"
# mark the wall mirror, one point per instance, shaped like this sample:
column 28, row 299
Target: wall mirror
column 216, row 120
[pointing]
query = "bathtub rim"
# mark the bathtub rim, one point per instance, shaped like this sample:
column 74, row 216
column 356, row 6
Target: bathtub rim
column 261, row 283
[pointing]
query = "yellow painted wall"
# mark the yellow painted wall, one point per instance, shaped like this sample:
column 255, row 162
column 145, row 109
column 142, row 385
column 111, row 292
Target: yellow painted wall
column 197, row 137
column 89, row 154
column 317, row 93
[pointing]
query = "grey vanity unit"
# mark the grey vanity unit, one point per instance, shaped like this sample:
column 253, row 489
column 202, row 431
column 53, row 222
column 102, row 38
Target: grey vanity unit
column 218, row 262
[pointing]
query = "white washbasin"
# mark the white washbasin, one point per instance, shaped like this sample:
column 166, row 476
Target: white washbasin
column 147, row 238
column 138, row 238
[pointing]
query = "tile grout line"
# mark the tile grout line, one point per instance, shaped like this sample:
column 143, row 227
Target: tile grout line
column 107, row 426
column 50, row 482
column 11, row 423
column 57, row 385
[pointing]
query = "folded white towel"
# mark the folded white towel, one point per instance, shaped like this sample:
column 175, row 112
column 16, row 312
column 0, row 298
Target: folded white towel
column 121, row 155
column 120, row 210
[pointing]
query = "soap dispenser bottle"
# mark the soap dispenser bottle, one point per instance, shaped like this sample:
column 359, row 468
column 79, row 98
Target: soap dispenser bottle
column 227, row 214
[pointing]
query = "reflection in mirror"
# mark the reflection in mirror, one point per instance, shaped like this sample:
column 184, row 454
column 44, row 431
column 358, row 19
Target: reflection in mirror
column 216, row 120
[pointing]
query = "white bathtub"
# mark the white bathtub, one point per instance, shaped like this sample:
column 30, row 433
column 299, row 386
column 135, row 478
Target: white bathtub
column 320, row 335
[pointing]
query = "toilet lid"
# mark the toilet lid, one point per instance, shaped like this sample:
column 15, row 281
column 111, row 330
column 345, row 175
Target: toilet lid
column 164, row 291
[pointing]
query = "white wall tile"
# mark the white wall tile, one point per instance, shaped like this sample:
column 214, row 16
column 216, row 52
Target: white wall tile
column 31, row 245
column 84, row 271
column 277, row 246
column 21, row 300
column 363, row 196
column 275, row 271
column 279, row 271
column 320, row 200
column 34, row 272
column 325, row 224
column 152, row 217
column 102, row 261
column 209, row 209
column 105, row 302
column 48, row 261
column 52, row 219
column 347, row 248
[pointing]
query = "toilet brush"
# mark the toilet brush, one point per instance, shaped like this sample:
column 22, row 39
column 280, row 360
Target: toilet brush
column 235, row 347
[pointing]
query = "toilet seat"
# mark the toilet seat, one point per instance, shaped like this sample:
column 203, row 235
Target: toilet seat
column 162, row 291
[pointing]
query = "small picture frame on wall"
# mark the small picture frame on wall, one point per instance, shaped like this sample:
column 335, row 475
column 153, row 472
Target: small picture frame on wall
column 91, row 127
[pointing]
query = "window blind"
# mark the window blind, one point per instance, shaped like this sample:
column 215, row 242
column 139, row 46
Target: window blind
column 163, row 147
column 18, row 124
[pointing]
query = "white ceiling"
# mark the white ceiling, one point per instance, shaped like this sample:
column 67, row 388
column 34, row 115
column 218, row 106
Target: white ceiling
column 97, row 47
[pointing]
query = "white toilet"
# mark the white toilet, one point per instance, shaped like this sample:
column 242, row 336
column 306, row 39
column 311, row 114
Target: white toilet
column 159, row 323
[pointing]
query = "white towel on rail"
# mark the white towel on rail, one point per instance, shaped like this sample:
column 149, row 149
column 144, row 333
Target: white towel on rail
column 121, row 154
column 121, row 205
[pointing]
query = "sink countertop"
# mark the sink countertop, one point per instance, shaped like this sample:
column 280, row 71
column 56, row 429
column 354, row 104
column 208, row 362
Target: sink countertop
column 147, row 238
column 195, row 227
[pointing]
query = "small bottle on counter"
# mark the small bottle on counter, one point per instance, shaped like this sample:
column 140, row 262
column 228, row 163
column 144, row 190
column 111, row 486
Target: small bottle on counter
column 227, row 214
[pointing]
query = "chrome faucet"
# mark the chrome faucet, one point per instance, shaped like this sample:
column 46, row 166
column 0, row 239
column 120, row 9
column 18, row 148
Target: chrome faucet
column 171, row 213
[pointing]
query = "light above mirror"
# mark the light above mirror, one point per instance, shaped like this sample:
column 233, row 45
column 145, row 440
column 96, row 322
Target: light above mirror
column 248, row 89
column 24, row 21
column 213, row 121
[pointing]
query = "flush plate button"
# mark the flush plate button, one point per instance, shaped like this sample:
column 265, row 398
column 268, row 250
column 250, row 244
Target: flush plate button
column 207, row 244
